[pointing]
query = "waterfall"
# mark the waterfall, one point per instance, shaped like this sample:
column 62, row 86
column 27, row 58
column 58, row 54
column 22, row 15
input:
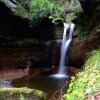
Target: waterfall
column 63, row 49
column 65, row 46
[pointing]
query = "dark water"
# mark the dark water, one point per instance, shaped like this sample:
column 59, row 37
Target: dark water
column 48, row 84
column 45, row 83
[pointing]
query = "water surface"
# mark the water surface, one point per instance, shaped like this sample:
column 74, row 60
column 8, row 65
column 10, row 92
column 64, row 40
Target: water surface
column 45, row 83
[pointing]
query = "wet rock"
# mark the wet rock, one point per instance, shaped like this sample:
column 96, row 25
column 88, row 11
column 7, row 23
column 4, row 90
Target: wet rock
column 21, row 94
column 89, row 28
column 82, row 49
column 89, row 5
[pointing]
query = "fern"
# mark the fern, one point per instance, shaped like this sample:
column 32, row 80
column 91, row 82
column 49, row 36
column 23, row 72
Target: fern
column 36, row 10
column 43, row 8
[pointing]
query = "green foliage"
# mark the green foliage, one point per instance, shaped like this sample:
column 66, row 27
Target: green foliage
column 20, row 10
column 21, row 2
column 64, row 10
column 83, row 35
column 94, row 60
column 21, row 93
column 44, row 8
column 86, row 83
column 22, row 97
column 40, row 5
column 36, row 10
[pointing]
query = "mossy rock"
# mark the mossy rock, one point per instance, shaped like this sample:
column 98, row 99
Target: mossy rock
column 21, row 94
column 86, row 84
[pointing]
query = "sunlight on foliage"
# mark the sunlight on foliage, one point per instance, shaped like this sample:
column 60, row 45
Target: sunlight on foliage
column 36, row 10
column 43, row 8
column 87, row 83
column 64, row 10
column 22, row 97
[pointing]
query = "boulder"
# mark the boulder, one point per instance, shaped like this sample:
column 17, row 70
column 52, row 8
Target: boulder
column 21, row 94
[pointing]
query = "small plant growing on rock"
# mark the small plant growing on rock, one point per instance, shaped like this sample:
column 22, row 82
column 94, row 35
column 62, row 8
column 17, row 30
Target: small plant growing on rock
column 36, row 10
column 86, row 85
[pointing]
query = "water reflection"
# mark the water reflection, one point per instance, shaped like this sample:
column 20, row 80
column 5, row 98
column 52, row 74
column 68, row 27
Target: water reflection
column 5, row 84
column 48, row 84
column 45, row 83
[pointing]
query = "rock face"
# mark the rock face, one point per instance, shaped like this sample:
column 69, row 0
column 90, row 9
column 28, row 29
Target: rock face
column 35, row 55
column 81, row 50
column 89, row 5
column 21, row 94
column 89, row 25
column 13, row 27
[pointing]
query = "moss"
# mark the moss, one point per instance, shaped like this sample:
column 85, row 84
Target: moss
column 39, row 94
column 16, row 90
column 86, row 84
column 21, row 94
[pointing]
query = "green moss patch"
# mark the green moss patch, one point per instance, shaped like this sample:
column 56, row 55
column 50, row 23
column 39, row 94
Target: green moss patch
column 86, row 84
column 21, row 94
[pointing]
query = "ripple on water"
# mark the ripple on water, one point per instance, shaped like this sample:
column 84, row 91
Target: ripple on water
column 59, row 76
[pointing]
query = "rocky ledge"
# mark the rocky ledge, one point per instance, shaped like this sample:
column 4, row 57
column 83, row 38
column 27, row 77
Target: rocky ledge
column 21, row 94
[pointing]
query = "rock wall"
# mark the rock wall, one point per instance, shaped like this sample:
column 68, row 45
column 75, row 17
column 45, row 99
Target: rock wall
column 35, row 55
column 13, row 27
column 82, row 50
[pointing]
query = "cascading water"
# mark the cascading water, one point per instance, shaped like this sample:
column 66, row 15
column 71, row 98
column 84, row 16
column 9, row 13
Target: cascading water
column 66, row 43
column 63, row 49
column 65, row 46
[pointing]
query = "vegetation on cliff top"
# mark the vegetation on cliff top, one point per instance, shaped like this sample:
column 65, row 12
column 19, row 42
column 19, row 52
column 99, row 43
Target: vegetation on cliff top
column 35, row 10
column 86, row 85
